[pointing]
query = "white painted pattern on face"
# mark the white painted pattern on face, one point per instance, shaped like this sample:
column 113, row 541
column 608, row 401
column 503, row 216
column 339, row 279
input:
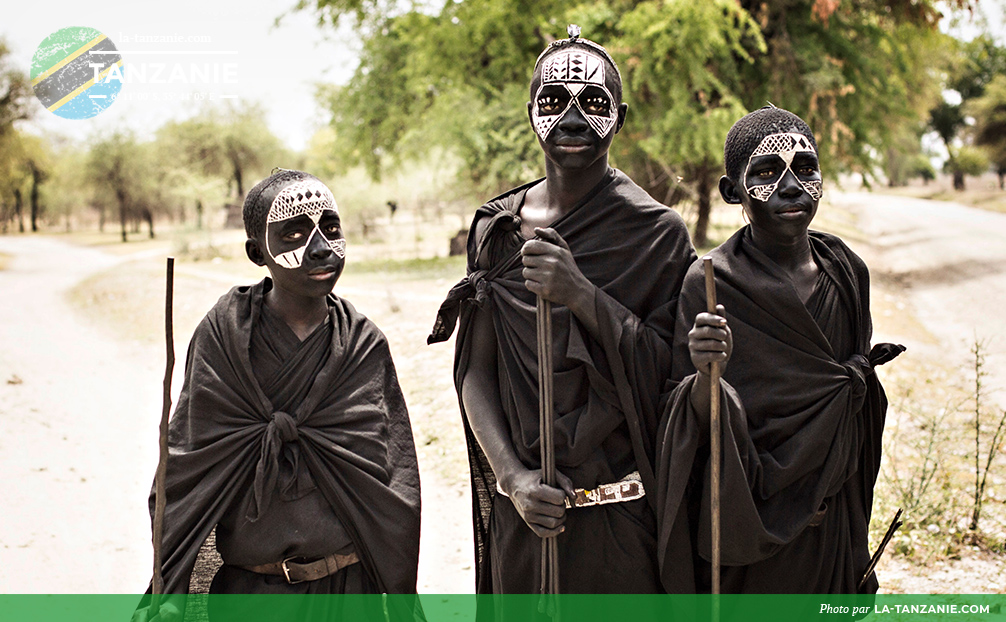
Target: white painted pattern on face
column 785, row 145
column 307, row 197
column 574, row 70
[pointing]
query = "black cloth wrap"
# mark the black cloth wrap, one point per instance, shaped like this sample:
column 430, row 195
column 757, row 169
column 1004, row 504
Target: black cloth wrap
column 351, row 433
column 635, row 251
column 802, row 418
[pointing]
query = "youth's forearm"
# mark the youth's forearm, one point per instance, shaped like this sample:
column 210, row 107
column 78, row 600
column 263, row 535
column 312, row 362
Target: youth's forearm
column 584, row 307
column 699, row 395
column 480, row 395
column 486, row 418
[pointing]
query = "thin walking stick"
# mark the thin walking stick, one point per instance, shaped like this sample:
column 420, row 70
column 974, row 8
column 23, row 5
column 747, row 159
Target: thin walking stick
column 162, row 462
column 549, row 546
column 714, row 438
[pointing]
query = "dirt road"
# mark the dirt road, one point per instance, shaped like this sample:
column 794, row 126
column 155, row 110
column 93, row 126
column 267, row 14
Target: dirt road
column 76, row 451
column 948, row 261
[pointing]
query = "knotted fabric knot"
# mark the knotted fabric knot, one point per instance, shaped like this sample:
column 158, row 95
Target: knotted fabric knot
column 285, row 426
column 481, row 285
column 858, row 368
column 282, row 429
column 504, row 221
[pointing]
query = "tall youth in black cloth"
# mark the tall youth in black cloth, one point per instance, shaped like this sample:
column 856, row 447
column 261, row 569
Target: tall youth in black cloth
column 291, row 435
column 611, row 259
column 803, row 411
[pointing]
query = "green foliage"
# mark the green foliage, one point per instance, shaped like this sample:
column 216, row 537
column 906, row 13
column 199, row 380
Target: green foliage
column 968, row 160
column 68, row 187
column 15, row 92
column 920, row 166
column 455, row 78
column 230, row 142
column 681, row 64
column 969, row 72
column 989, row 113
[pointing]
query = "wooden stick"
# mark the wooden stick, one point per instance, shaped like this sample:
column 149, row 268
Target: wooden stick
column 546, row 420
column 162, row 462
column 714, row 437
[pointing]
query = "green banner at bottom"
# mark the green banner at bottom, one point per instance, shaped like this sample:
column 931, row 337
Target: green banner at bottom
column 518, row 608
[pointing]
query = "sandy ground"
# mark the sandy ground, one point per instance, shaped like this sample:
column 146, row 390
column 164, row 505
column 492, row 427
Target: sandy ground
column 78, row 409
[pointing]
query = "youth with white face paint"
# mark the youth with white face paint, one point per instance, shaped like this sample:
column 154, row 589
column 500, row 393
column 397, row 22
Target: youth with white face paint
column 785, row 145
column 310, row 198
column 573, row 77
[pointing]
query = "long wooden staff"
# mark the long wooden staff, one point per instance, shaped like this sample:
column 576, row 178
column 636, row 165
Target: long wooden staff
column 162, row 462
column 714, row 438
column 549, row 546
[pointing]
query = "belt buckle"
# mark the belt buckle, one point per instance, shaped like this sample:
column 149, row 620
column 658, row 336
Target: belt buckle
column 286, row 570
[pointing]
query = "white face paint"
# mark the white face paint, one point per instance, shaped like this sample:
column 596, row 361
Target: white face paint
column 575, row 70
column 308, row 197
column 785, row 145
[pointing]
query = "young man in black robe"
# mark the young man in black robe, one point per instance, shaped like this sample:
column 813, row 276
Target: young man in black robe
column 291, row 435
column 802, row 410
column 611, row 259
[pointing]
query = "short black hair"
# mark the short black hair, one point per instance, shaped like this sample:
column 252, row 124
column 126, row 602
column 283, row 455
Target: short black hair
column 745, row 136
column 259, row 199
column 586, row 44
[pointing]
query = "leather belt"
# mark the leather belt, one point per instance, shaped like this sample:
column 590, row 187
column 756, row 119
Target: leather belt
column 629, row 488
column 298, row 569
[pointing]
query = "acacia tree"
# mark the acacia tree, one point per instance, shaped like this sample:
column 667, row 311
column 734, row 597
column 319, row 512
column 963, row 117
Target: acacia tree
column 989, row 113
column 229, row 142
column 121, row 174
column 975, row 66
column 458, row 78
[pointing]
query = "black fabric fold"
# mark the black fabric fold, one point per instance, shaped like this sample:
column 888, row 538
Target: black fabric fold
column 635, row 251
column 803, row 416
column 350, row 433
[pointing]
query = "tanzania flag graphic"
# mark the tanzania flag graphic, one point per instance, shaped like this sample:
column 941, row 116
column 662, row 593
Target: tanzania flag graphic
column 76, row 72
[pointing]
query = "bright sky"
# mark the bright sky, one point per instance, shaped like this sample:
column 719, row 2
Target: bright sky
column 233, row 44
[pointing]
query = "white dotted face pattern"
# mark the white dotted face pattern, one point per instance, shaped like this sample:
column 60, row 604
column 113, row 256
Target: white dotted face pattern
column 574, row 70
column 785, row 145
column 307, row 197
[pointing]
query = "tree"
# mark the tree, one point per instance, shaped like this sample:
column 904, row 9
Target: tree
column 989, row 131
column 966, row 160
column 67, row 189
column 15, row 92
column 975, row 66
column 119, row 168
column 15, row 105
column 457, row 78
column 229, row 142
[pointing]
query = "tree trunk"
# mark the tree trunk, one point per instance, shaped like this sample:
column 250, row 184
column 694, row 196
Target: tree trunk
column 958, row 180
column 703, row 188
column 239, row 180
column 1002, row 177
column 18, row 208
column 122, row 214
column 36, row 181
column 199, row 214
column 149, row 217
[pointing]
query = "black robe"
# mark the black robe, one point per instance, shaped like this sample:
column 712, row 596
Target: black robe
column 346, row 432
column 635, row 251
column 802, row 414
